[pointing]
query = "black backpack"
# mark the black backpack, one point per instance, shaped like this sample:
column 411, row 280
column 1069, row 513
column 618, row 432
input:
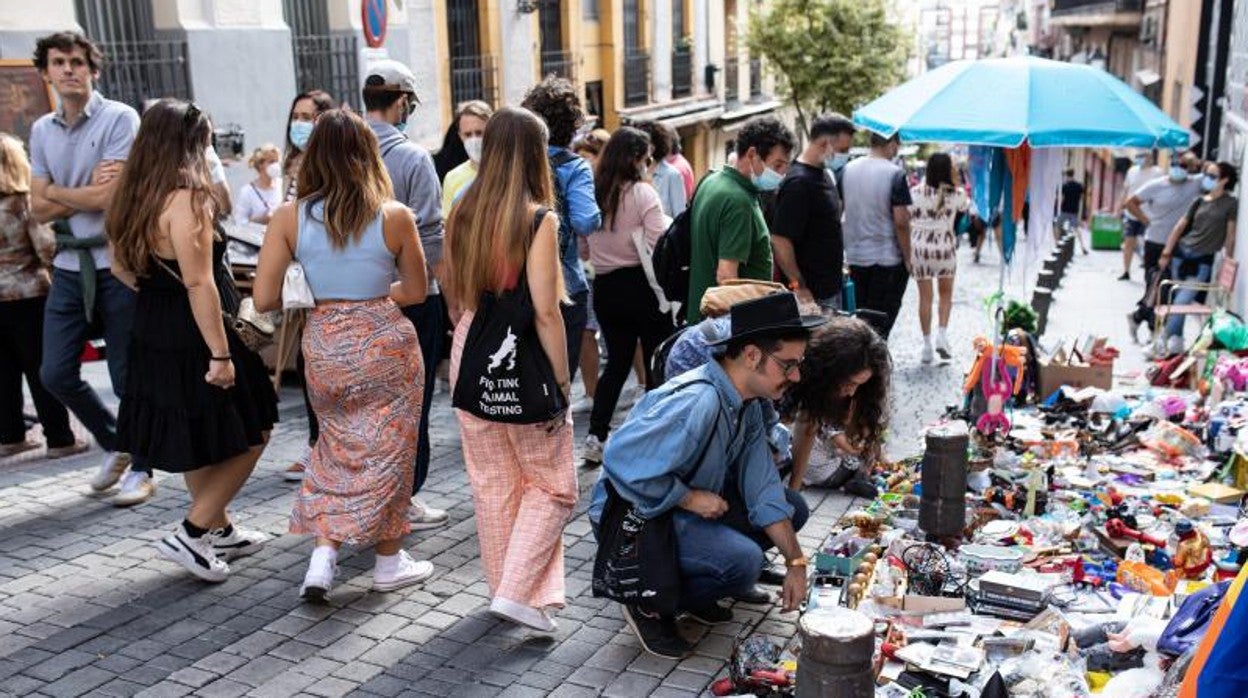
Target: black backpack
column 673, row 254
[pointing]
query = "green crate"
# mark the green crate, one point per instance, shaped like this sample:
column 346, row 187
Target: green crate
column 1106, row 231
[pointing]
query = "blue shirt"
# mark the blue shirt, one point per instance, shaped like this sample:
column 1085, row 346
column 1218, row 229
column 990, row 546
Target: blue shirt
column 358, row 272
column 575, row 187
column 651, row 455
column 66, row 155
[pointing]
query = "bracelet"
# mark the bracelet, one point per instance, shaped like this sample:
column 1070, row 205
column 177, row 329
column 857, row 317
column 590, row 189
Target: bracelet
column 797, row 562
column 227, row 357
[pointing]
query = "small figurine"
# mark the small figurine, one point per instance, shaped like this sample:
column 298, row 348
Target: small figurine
column 1192, row 556
column 996, row 391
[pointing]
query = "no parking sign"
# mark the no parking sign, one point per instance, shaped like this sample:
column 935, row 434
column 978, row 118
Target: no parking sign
column 374, row 14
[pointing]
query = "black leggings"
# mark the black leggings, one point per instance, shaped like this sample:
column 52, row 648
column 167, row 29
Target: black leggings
column 627, row 312
column 21, row 351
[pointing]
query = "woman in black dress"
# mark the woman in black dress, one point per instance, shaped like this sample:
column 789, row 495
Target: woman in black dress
column 197, row 401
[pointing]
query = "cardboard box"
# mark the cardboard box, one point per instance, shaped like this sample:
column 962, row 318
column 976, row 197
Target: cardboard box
column 1053, row 376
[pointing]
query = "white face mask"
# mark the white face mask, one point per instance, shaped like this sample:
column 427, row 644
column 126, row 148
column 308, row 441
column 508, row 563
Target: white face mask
column 273, row 170
column 473, row 147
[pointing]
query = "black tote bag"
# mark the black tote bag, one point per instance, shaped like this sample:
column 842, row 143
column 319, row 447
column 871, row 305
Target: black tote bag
column 637, row 561
column 504, row 374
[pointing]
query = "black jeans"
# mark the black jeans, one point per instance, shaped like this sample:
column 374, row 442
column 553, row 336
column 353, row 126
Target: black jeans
column 627, row 312
column 881, row 289
column 21, row 351
column 314, row 431
column 427, row 318
column 1153, row 275
column 575, row 317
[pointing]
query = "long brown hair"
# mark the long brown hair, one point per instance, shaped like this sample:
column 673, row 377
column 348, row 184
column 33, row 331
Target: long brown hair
column 167, row 155
column 617, row 168
column 491, row 227
column 342, row 167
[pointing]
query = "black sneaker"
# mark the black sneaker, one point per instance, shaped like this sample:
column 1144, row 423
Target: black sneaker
column 754, row 596
column 657, row 634
column 771, row 576
column 711, row 614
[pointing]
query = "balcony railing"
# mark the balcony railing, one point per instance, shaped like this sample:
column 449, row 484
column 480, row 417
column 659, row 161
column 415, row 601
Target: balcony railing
column 558, row 63
column 474, row 77
column 732, row 70
column 1061, row 7
column 756, row 78
column 329, row 62
column 636, row 78
column 137, row 71
column 682, row 73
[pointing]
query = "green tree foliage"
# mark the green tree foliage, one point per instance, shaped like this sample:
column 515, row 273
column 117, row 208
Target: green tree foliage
column 831, row 55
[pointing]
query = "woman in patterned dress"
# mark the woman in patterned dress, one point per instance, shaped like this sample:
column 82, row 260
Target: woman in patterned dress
column 363, row 360
column 934, row 247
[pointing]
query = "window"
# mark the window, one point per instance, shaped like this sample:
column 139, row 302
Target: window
column 323, row 60
column 589, row 10
column 137, row 67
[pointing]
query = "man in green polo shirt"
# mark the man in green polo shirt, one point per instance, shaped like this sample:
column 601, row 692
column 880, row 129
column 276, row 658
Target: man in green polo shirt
column 729, row 235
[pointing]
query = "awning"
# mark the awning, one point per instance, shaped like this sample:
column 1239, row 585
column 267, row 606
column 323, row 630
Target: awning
column 1147, row 77
column 677, row 113
column 735, row 119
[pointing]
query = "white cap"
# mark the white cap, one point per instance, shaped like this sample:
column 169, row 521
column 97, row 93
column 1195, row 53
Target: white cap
column 390, row 75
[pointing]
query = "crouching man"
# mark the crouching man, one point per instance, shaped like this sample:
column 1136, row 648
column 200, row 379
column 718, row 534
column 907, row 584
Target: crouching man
column 698, row 445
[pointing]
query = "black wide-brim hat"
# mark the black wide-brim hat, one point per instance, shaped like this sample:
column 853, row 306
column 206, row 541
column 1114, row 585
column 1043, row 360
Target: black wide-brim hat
column 773, row 314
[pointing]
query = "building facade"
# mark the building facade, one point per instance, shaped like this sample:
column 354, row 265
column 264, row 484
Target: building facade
column 683, row 62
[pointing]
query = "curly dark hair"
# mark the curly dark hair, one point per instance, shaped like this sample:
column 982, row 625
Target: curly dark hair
column 556, row 101
column 840, row 349
column 66, row 42
column 764, row 134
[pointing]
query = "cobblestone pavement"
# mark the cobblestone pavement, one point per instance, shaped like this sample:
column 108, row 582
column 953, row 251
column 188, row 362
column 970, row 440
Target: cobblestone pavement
column 87, row 606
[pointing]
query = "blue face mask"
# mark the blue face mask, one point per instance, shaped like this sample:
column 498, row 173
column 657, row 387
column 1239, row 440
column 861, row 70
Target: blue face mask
column 300, row 132
column 1178, row 174
column 836, row 161
column 401, row 126
column 1208, row 182
column 769, row 180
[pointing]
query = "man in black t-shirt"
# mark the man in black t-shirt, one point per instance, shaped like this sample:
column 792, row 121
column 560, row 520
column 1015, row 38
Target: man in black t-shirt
column 806, row 226
column 1072, row 199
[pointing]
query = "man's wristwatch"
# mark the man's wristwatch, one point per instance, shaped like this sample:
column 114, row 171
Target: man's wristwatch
column 797, row 562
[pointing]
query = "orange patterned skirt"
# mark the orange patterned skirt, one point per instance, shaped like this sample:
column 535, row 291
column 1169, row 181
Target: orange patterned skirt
column 364, row 375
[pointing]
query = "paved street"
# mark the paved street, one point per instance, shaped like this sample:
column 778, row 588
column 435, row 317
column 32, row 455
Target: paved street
column 87, row 606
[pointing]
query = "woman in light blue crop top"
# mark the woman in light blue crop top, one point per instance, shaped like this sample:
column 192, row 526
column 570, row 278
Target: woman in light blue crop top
column 363, row 259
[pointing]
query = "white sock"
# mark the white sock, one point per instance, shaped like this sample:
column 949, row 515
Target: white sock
column 940, row 334
column 387, row 565
column 324, row 556
column 927, row 340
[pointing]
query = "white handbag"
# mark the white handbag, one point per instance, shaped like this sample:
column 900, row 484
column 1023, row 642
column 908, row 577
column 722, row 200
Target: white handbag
column 296, row 294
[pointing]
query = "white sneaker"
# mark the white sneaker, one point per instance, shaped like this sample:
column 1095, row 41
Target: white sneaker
column 631, row 395
column 136, row 488
column 110, row 470
column 400, row 570
column 520, row 614
column 294, row 472
column 583, row 406
column 927, row 356
column 1175, row 344
column 239, row 543
column 195, row 554
column 942, row 347
column 593, row 450
column 425, row 517
column 320, row 575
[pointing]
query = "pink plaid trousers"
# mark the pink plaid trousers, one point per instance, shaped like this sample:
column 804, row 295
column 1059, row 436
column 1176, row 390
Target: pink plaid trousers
column 524, row 489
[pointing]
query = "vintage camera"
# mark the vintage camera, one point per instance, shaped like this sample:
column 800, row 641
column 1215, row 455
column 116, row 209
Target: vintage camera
column 228, row 141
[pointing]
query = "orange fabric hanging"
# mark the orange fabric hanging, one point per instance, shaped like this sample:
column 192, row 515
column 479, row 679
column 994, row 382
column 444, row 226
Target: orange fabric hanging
column 1019, row 161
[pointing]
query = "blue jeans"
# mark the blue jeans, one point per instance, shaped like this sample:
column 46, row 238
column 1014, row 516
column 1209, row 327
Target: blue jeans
column 575, row 316
column 1199, row 269
column 721, row 558
column 66, row 330
column 427, row 319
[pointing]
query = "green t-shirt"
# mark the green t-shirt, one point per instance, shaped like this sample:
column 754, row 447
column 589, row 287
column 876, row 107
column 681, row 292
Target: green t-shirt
column 726, row 223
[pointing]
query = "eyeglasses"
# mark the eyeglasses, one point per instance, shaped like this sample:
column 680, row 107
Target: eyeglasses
column 786, row 367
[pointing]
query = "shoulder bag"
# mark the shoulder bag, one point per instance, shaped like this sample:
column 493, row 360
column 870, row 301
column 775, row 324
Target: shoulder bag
column 255, row 331
column 637, row 561
column 504, row 373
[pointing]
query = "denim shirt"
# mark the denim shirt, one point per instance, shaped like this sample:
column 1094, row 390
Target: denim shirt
column 655, row 449
column 575, row 181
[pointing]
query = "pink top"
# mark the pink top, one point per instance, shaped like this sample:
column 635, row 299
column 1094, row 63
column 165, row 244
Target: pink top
column 612, row 246
column 686, row 172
